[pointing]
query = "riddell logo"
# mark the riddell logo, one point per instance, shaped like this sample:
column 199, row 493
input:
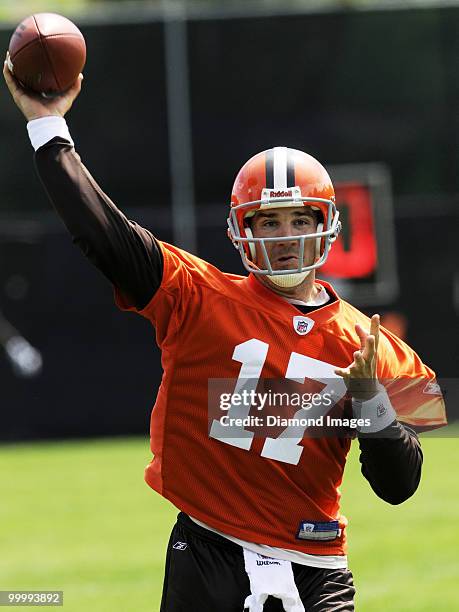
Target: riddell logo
column 280, row 194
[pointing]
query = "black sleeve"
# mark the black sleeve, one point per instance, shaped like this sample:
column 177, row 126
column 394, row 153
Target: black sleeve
column 391, row 462
column 127, row 254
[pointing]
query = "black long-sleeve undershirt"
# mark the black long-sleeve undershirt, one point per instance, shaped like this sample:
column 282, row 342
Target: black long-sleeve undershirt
column 129, row 256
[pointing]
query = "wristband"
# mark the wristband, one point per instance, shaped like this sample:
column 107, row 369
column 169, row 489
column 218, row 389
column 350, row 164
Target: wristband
column 44, row 129
column 377, row 412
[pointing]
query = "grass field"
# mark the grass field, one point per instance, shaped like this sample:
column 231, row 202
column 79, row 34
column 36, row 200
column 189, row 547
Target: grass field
column 77, row 516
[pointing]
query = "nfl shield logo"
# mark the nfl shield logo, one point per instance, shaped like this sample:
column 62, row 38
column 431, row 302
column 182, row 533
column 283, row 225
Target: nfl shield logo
column 302, row 325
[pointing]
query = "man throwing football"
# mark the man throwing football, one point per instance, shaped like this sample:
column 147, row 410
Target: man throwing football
column 260, row 526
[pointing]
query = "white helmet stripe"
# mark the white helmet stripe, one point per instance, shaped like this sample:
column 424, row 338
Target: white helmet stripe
column 280, row 167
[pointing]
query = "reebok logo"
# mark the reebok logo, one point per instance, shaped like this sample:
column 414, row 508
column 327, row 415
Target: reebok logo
column 180, row 545
column 432, row 388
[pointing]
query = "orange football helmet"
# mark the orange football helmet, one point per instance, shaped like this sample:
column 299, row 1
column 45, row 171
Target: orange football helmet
column 278, row 178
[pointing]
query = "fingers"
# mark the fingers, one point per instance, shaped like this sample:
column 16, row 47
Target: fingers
column 372, row 340
column 343, row 372
column 76, row 87
column 12, row 83
column 355, row 368
column 14, row 89
column 351, row 370
column 362, row 334
column 364, row 365
column 369, row 349
column 359, row 362
column 369, row 342
column 10, row 80
column 374, row 329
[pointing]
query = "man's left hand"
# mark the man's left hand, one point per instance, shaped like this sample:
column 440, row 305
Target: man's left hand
column 360, row 376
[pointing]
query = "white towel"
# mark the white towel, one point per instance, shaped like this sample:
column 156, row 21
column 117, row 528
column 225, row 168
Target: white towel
column 269, row 576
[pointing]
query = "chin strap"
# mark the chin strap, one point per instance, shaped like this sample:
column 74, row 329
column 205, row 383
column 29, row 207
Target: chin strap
column 288, row 280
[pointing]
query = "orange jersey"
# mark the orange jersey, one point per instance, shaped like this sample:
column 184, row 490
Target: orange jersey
column 211, row 325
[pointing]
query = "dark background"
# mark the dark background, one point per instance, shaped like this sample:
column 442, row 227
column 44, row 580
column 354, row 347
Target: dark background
column 346, row 87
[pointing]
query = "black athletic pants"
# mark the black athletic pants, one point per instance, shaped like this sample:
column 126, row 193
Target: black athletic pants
column 205, row 573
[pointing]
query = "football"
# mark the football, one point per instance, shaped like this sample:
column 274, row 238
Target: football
column 47, row 52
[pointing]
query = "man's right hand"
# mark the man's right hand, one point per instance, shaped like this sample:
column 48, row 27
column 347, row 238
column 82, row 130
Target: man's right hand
column 34, row 106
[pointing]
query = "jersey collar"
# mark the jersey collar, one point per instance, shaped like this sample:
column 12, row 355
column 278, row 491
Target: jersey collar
column 323, row 314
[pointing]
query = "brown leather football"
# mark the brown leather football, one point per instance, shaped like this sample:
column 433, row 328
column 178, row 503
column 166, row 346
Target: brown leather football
column 47, row 52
